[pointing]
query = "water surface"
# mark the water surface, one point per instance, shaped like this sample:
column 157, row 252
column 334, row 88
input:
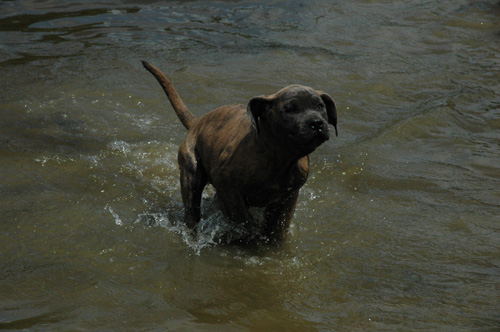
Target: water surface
column 397, row 229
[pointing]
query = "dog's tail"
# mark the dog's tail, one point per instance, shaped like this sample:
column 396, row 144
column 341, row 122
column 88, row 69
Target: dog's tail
column 187, row 118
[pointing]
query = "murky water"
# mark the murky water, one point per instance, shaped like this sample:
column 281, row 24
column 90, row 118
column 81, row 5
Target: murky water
column 397, row 229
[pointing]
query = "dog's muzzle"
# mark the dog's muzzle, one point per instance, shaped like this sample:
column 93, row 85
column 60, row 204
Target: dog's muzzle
column 319, row 128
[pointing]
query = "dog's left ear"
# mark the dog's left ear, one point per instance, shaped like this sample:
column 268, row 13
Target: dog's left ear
column 256, row 107
column 331, row 110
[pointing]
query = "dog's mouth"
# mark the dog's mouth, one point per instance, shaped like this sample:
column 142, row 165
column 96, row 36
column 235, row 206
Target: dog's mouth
column 318, row 139
column 317, row 133
column 306, row 141
column 323, row 134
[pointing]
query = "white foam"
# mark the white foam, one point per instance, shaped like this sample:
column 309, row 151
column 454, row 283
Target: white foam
column 120, row 146
column 116, row 217
column 213, row 228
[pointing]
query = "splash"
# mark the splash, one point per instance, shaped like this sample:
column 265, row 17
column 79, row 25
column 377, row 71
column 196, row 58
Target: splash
column 116, row 217
column 120, row 147
column 213, row 229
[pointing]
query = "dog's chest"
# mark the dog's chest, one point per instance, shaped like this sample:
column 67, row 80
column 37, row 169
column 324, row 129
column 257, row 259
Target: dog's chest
column 275, row 189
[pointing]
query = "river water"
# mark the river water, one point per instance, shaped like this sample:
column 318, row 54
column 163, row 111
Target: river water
column 397, row 229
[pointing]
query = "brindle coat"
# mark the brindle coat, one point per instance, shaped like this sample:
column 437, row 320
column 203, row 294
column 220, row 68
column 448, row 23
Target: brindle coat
column 254, row 156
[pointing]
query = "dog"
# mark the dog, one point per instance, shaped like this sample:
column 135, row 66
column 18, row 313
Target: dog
column 254, row 156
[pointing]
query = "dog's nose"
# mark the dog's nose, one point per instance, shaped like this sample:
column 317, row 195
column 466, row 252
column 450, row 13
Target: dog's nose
column 316, row 125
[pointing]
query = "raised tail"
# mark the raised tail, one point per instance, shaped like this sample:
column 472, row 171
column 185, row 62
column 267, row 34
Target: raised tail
column 187, row 118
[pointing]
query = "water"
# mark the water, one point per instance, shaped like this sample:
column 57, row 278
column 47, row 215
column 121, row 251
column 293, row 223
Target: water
column 397, row 228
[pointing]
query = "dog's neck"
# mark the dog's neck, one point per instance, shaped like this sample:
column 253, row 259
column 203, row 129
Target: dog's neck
column 284, row 154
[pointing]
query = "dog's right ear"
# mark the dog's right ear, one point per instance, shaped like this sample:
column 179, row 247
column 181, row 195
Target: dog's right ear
column 256, row 107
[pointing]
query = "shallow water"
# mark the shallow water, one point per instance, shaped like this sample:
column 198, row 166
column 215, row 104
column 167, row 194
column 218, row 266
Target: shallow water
column 397, row 229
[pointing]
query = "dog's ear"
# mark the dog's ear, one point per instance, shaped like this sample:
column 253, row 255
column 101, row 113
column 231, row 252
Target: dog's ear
column 331, row 110
column 256, row 107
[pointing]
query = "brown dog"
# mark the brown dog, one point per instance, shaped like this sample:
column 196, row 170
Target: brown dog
column 254, row 156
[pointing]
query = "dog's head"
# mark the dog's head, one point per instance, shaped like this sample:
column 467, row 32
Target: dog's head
column 297, row 116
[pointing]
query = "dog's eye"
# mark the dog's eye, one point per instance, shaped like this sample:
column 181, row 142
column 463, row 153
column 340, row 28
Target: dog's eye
column 319, row 107
column 290, row 108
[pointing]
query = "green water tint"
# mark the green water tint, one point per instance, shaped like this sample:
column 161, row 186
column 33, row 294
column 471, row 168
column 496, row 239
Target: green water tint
column 396, row 229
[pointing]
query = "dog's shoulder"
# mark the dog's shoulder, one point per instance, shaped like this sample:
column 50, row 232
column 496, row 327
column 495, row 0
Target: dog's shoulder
column 221, row 116
column 225, row 121
column 221, row 131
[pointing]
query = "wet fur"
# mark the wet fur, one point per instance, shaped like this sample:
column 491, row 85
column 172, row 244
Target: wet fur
column 254, row 156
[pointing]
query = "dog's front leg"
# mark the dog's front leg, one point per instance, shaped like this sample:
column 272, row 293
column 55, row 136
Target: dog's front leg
column 278, row 217
column 233, row 207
